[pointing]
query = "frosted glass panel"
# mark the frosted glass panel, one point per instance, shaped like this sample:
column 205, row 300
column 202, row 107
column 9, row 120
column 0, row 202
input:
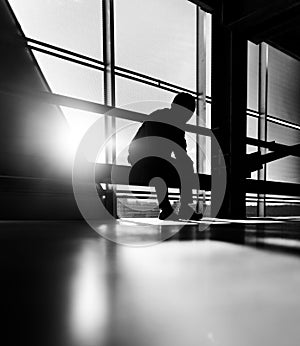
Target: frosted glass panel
column 73, row 25
column 140, row 97
column 71, row 79
column 157, row 38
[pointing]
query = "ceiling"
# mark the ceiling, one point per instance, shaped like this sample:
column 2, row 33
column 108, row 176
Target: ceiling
column 276, row 22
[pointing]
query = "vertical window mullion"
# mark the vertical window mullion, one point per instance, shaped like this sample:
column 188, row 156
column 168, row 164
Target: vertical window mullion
column 109, row 95
column 262, row 122
column 200, row 90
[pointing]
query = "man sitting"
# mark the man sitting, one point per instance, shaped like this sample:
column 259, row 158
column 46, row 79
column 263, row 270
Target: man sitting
column 151, row 150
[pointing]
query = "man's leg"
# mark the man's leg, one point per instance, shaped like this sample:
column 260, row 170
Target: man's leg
column 188, row 181
column 162, row 172
column 161, row 189
column 159, row 172
column 186, row 171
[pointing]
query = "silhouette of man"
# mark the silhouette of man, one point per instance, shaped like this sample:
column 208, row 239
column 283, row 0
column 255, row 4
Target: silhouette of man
column 151, row 151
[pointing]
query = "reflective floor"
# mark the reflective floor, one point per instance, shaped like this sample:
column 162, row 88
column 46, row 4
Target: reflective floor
column 235, row 284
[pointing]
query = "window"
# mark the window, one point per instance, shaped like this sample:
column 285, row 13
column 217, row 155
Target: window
column 154, row 38
column 157, row 38
column 73, row 25
column 284, row 86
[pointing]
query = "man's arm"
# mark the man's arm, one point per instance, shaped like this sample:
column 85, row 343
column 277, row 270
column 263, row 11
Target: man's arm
column 181, row 153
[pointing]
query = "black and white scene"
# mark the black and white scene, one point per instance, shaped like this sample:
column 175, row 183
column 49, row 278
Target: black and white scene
column 150, row 172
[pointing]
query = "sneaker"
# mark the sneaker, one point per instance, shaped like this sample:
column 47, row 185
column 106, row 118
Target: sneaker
column 168, row 214
column 188, row 213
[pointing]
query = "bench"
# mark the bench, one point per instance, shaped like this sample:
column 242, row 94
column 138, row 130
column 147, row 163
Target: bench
column 103, row 176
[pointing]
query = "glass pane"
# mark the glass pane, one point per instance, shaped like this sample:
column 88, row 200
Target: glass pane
column 191, row 147
column 252, row 127
column 253, row 65
column 207, row 157
column 208, row 52
column 157, row 38
column 208, row 115
column 286, row 169
column 252, row 149
column 73, row 25
column 126, row 130
column 79, row 122
column 283, row 135
column 284, row 86
column 140, row 97
column 71, row 79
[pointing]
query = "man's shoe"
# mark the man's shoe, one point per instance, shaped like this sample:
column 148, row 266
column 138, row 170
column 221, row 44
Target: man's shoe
column 168, row 214
column 196, row 216
column 188, row 213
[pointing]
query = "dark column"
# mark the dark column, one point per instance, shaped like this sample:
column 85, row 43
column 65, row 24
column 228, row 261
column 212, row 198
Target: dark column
column 109, row 94
column 229, row 104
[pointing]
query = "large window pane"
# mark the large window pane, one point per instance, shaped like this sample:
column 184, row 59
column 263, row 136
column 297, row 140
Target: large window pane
column 157, row 38
column 73, row 25
column 71, row 79
column 284, row 86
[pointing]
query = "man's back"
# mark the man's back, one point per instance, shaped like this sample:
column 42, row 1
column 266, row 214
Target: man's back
column 157, row 135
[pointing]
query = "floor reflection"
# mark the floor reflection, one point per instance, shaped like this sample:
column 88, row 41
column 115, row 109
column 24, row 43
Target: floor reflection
column 65, row 285
column 89, row 308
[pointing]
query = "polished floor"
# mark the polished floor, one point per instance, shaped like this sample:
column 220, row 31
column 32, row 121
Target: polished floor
column 232, row 284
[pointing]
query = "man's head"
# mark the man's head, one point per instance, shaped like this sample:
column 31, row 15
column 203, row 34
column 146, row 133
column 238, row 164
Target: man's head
column 184, row 103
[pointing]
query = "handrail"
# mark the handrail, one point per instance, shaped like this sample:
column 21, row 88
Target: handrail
column 63, row 50
column 67, row 101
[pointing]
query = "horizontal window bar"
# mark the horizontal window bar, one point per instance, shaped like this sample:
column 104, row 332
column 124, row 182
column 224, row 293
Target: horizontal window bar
column 155, row 80
column 252, row 113
column 151, row 83
column 62, row 50
column 283, row 122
